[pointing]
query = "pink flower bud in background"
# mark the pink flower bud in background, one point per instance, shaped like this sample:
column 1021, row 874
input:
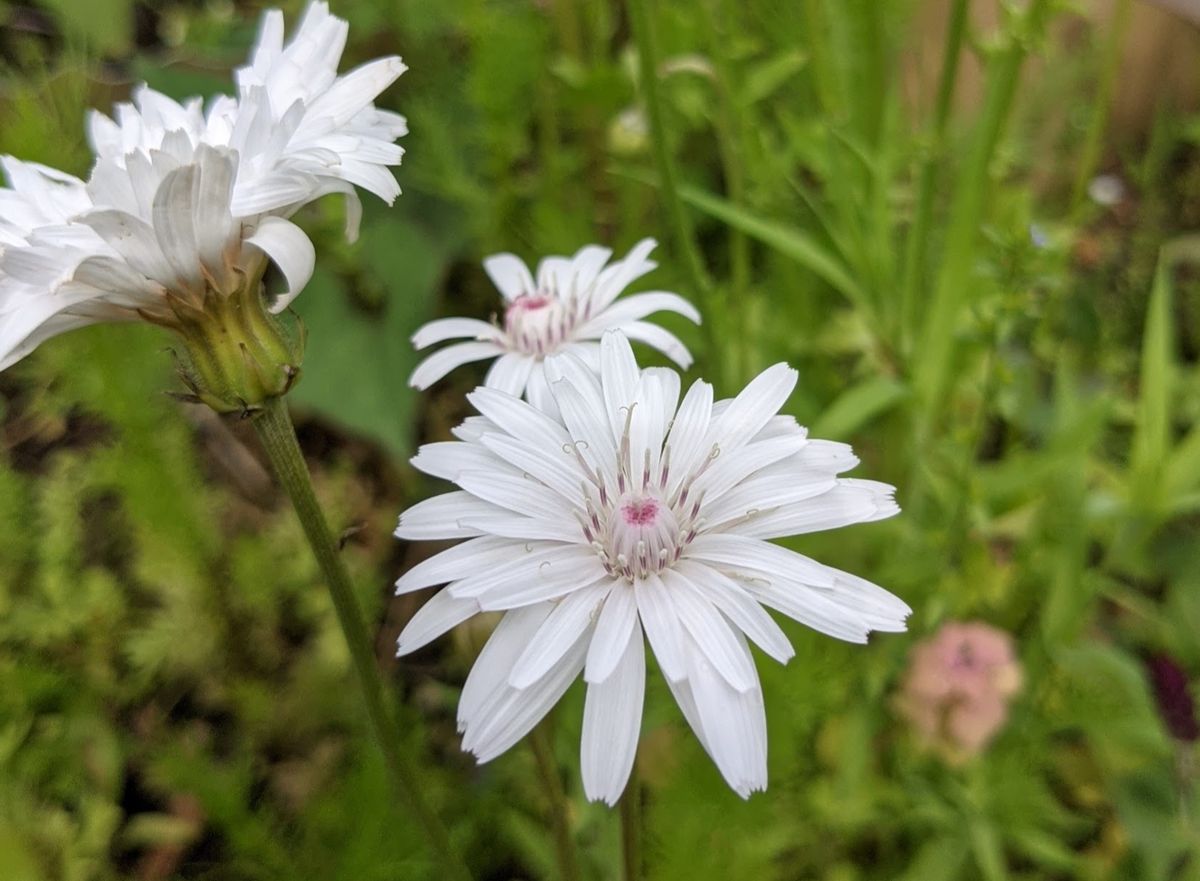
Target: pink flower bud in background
column 958, row 688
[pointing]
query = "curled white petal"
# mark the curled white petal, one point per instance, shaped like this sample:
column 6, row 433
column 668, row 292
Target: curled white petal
column 291, row 250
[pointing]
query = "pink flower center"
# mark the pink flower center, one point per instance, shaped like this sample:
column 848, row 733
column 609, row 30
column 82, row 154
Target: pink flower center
column 640, row 512
column 538, row 323
column 529, row 303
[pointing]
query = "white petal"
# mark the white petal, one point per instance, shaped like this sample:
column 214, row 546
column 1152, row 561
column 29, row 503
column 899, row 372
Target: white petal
column 518, row 418
column 214, row 225
column 769, row 491
column 688, row 432
column 134, row 240
column 557, row 469
column 513, row 714
column 537, row 390
column 732, row 466
column 572, row 615
column 619, row 378
column 443, row 516
column 454, row 328
column 174, row 222
column 739, row 607
column 658, row 338
column 828, row 456
column 518, row 494
column 518, row 526
column 753, row 408
column 449, row 459
column 812, row 607
column 844, row 504
column 473, row 555
column 613, row 280
column 441, row 613
column 523, row 565
column 758, row 557
column 355, row 90
column 488, row 679
column 443, row 361
column 291, row 250
column 548, row 585
column 589, row 429
column 655, row 400
column 714, row 637
column 612, row 722
column 881, row 609
column 734, row 723
column 509, row 373
column 616, row 623
column 639, row 306
column 662, row 625
column 510, row 275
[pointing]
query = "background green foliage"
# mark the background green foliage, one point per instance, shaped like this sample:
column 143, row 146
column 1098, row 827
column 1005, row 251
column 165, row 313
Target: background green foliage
column 175, row 700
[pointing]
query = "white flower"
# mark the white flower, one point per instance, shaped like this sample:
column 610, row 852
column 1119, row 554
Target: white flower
column 626, row 513
column 567, row 309
column 184, row 203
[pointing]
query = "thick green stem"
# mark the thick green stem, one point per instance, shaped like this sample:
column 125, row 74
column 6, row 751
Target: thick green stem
column 918, row 239
column 631, row 828
column 278, row 437
column 564, row 843
column 681, row 227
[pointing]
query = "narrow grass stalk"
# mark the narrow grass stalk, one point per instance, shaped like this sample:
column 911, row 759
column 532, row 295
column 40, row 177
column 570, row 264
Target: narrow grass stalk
column 1093, row 140
column 933, row 360
column 278, row 437
column 918, row 237
column 542, row 742
column 728, row 124
column 631, row 828
column 681, row 227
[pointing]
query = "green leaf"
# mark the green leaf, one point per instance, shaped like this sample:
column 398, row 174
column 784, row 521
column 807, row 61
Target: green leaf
column 938, row 860
column 1151, row 438
column 1104, row 694
column 358, row 360
column 858, row 405
column 105, row 29
column 785, row 239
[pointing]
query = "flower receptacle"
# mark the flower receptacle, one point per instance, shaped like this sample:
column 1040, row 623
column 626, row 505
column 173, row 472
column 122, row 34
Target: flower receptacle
column 238, row 355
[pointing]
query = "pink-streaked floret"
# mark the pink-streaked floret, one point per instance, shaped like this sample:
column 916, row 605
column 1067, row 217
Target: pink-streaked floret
column 620, row 513
column 565, row 307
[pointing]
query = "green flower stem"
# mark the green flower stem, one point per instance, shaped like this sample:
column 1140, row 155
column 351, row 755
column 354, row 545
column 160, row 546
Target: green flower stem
column 918, row 238
column 681, row 227
column 631, row 828
column 564, row 843
column 274, row 426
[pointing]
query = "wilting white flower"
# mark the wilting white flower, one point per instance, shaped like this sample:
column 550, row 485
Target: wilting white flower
column 572, row 302
column 630, row 512
column 184, row 202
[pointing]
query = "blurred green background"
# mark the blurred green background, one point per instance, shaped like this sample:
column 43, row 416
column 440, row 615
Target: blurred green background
column 986, row 273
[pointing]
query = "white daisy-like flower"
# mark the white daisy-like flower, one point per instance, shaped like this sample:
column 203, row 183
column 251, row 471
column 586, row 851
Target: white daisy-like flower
column 626, row 512
column 566, row 308
column 186, row 204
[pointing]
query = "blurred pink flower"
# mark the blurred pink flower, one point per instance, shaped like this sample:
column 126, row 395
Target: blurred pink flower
column 958, row 688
